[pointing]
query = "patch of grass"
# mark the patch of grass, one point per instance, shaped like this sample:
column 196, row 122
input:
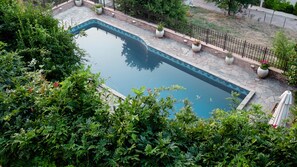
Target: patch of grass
column 199, row 10
column 196, row 19
column 245, row 29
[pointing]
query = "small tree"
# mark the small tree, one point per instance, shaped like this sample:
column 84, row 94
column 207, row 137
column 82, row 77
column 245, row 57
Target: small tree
column 284, row 48
column 232, row 6
column 166, row 11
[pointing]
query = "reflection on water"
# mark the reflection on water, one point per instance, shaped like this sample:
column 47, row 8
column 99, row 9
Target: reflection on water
column 138, row 56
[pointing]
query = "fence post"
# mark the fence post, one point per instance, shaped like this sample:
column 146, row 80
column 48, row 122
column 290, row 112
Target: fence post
column 113, row 5
column 265, row 52
column 207, row 33
column 191, row 29
column 272, row 16
column 244, row 45
column 225, row 41
column 285, row 22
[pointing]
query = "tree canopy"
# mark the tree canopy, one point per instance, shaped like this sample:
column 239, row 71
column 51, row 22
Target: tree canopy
column 31, row 31
column 166, row 11
column 233, row 6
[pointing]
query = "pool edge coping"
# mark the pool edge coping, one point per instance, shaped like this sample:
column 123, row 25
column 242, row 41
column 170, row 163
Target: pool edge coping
column 241, row 106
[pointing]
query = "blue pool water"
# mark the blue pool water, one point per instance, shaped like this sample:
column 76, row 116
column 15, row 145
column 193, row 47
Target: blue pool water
column 126, row 62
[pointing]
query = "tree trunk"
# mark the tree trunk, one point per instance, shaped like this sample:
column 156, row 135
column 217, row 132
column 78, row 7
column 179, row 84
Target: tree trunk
column 229, row 7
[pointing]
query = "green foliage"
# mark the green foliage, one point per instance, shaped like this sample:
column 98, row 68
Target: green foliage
column 12, row 69
column 234, row 100
column 47, row 124
column 282, row 46
column 166, row 11
column 291, row 72
column 160, row 27
column 279, row 5
column 285, row 51
column 233, row 6
column 68, row 124
column 34, row 34
column 98, row 5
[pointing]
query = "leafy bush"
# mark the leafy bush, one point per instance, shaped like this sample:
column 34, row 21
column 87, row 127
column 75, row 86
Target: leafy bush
column 282, row 46
column 12, row 69
column 68, row 123
column 284, row 6
column 166, row 11
column 31, row 31
column 285, row 51
column 269, row 4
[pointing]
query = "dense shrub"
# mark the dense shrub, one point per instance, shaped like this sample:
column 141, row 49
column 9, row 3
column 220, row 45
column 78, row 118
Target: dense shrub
column 285, row 51
column 166, row 11
column 233, row 6
column 284, row 6
column 68, row 123
column 269, row 4
column 34, row 33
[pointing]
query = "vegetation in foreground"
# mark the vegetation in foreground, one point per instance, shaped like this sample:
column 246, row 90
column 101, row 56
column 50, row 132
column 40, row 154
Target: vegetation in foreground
column 34, row 34
column 66, row 122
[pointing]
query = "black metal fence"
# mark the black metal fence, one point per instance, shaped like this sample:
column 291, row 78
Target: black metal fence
column 238, row 46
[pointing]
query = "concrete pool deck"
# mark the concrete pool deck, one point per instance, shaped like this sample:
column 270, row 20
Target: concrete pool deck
column 266, row 90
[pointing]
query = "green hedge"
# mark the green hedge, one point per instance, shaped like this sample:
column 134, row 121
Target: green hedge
column 284, row 6
column 34, row 33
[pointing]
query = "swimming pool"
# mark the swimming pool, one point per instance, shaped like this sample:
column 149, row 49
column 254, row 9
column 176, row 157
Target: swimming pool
column 126, row 62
